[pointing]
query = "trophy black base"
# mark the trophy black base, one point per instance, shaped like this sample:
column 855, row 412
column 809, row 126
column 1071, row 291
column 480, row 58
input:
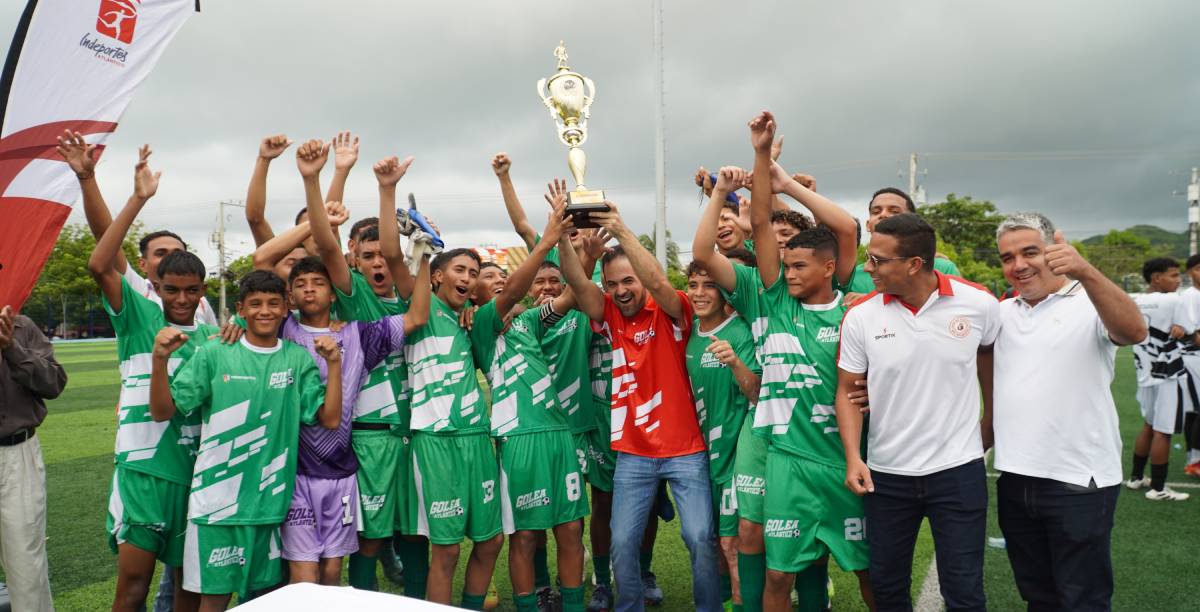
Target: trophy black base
column 581, row 204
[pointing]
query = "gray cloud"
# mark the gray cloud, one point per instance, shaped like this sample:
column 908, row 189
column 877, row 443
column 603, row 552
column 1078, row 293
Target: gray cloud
column 856, row 87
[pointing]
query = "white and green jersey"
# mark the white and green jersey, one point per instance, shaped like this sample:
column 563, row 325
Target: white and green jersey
column 566, row 345
column 524, row 399
column 600, row 373
column 797, row 347
column 446, row 397
column 384, row 397
column 720, row 405
column 252, row 401
column 164, row 449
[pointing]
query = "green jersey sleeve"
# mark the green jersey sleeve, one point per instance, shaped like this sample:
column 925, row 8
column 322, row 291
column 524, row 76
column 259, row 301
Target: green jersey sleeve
column 312, row 390
column 192, row 386
column 945, row 266
column 484, row 330
column 137, row 312
column 745, row 297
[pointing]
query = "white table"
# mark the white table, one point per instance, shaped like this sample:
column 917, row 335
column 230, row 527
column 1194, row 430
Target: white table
column 307, row 596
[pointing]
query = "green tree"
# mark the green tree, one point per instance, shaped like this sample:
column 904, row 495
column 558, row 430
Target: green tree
column 675, row 272
column 1120, row 255
column 969, row 225
column 233, row 275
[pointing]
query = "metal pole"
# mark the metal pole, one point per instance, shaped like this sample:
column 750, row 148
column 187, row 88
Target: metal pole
column 912, row 176
column 222, row 310
column 660, row 143
column 1193, row 194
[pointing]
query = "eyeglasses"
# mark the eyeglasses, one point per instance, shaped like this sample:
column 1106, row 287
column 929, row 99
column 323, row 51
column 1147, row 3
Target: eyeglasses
column 876, row 261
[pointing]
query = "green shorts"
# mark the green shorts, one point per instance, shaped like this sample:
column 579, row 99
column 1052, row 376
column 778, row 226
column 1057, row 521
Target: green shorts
column 541, row 483
column 454, row 484
column 725, row 510
column 221, row 559
column 380, row 459
column 406, row 505
column 809, row 514
column 147, row 512
column 750, row 473
column 601, row 460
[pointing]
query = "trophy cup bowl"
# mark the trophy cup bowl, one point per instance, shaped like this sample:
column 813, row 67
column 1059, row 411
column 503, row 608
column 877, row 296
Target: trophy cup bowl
column 569, row 97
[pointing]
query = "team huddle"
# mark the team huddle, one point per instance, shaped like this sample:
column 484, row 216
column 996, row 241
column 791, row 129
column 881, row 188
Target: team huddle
column 799, row 406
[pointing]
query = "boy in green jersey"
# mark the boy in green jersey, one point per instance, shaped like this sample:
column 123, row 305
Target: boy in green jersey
column 724, row 374
column 147, row 508
column 251, row 396
column 782, row 302
column 541, row 480
column 380, row 286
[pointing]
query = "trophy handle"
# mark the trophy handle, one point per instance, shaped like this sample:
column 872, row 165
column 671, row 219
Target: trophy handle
column 541, row 88
column 588, row 98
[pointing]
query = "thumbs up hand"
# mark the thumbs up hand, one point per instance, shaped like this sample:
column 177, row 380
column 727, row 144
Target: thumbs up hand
column 1064, row 260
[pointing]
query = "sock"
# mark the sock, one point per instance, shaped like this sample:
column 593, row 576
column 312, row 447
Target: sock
column 752, row 570
column 1139, row 467
column 737, row 608
column 603, row 570
column 525, row 603
column 362, row 572
column 812, row 589
column 1193, row 456
column 541, row 573
column 726, row 588
column 1158, row 476
column 646, row 556
column 475, row 602
column 415, row 557
column 572, row 598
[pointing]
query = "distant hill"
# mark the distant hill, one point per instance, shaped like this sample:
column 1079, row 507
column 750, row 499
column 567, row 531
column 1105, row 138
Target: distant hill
column 1168, row 244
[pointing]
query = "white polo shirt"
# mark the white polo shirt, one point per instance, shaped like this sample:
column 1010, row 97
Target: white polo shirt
column 204, row 312
column 1054, row 415
column 921, row 377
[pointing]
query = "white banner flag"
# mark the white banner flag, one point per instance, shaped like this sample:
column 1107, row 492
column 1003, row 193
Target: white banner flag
column 73, row 65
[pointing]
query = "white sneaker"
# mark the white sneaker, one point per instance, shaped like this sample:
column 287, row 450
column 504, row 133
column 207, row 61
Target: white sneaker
column 1167, row 494
column 1138, row 484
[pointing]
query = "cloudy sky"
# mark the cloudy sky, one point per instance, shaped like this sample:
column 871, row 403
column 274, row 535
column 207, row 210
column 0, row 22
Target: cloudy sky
column 1084, row 110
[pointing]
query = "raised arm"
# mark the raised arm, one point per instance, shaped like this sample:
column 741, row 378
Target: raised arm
column 826, row 213
column 521, row 278
column 704, row 245
column 1117, row 310
column 589, row 298
column 162, row 405
column 849, row 422
column 268, row 255
column 388, row 173
column 330, row 413
column 310, row 158
column 516, row 213
column 644, row 265
column 345, row 155
column 145, row 183
column 762, row 135
column 256, row 194
column 81, row 157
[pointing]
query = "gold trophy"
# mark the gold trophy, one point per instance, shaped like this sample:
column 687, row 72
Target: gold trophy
column 569, row 104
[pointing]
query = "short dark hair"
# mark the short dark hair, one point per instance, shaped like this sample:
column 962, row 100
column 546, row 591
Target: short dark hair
column 261, row 281
column 798, row 220
column 744, row 256
column 358, row 226
column 908, row 201
column 614, row 252
column 369, row 234
column 491, row 264
column 443, row 259
column 548, row 264
column 1156, row 265
column 819, row 239
column 144, row 243
column 182, row 263
column 309, row 265
column 734, row 206
column 915, row 236
column 303, row 211
column 1193, row 261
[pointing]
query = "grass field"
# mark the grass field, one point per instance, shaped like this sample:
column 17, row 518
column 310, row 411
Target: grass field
column 1153, row 543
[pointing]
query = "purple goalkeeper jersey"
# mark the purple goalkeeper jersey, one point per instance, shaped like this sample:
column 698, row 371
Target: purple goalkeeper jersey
column 326, row 453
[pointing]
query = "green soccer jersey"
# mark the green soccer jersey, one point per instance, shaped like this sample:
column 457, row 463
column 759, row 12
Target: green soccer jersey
column 566, row 346
column 720, row 405
column 600, row 373
column 524, row 399
column 446, row 397
column 164, row 449
column 384, row 397
column 861, row 282
column 797, row 346
column 252, row 401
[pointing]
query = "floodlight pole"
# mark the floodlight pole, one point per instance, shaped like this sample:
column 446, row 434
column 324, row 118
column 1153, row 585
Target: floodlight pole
column 660, row 143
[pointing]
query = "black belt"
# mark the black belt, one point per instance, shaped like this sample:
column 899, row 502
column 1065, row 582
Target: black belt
column 370, row 426
column 17, row 437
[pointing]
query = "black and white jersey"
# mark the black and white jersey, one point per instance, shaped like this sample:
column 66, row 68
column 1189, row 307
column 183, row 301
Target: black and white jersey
column 1160, row 357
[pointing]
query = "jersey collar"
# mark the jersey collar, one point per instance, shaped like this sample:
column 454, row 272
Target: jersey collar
column 837, row 300
column 713, row 332
column 262, row 350
column 944, row 289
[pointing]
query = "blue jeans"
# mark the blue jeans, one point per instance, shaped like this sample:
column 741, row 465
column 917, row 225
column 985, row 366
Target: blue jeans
column 955, row 501
column 635, row 485
column 1058, row 540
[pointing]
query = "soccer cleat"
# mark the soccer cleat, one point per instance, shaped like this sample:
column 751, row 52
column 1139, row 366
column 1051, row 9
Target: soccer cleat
column 1166, row 494
column 1192, row 470
column 1141, row 483
column 602, row 599
column 492, row 601
column 650, row 591
column 393, row 569
column 548, row 600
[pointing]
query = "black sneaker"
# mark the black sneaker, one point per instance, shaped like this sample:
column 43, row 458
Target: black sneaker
column 548, row 600
column 393, row 569
column 602, row 599
column 650, row 591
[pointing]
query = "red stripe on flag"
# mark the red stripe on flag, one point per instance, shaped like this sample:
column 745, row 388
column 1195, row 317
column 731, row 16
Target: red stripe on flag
column 27, row 235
